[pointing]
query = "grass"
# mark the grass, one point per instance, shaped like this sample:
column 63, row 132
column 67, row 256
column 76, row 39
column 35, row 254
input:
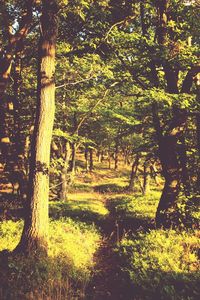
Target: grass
column 161, row 264
column 137, row 206
column 64, row 267
column 157, row 264
column 87, row 207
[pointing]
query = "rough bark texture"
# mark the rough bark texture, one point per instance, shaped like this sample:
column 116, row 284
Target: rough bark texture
column 35, row 233
column 166, row 215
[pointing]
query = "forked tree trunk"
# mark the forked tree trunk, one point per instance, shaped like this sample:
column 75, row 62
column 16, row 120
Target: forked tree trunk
column 35, row 233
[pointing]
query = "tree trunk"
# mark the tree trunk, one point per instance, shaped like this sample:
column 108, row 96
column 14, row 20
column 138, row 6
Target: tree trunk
column 133, row 173
column 154, row 173
column 109, row 159
column 184, row 170
column 86, row 159
column 73, row 158
column 17, row 137
column 91, row 167
column 116, row 153
column 167, row 212
column 198, row 147
column 4, row 127
column 146, row 179
column 35, row 233
column 65, row 176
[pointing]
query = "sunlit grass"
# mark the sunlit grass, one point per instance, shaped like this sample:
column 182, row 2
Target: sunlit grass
column 162, row 264
column 138, row 206
column 70, row 260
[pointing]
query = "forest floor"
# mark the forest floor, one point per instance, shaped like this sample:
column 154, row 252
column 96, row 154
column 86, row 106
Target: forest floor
column 103, row 239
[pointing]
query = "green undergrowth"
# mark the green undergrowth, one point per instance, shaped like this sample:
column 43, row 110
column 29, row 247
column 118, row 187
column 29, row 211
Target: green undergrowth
column 65, row 272
column 136, row 206
column 87, row 207
column 161, row 264
column 156, row 264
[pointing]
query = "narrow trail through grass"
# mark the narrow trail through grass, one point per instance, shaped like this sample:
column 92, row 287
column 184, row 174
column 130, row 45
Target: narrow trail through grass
column 106, row 277
column 108, row 282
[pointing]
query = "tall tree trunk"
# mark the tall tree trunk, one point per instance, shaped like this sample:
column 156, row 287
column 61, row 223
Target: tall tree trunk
column 35, row 233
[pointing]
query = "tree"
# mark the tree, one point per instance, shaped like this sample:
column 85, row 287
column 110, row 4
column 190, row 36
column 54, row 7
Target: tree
column 35, row 232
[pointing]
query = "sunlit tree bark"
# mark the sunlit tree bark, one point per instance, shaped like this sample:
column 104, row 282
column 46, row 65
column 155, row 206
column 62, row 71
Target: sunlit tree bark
column 35, row 233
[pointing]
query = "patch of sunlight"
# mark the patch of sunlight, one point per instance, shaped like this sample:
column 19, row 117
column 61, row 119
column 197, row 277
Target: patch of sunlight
column 72, row 245
column 10, row 233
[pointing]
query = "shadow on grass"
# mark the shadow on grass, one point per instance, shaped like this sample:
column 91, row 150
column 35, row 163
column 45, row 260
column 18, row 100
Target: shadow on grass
column 156, row 284
column 37, row 278
column 123, row 223
column 87, row 211
column 11, row 208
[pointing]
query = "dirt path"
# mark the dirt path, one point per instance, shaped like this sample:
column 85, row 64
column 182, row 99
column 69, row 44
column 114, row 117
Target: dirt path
column 107, row 281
